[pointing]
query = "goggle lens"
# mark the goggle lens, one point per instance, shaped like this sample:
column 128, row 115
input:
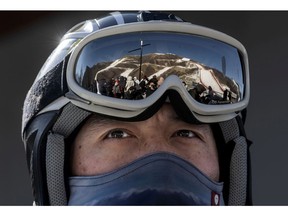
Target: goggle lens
column 134, row 65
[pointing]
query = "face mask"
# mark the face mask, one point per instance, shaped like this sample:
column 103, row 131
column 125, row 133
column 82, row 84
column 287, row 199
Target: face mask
column 157, row 179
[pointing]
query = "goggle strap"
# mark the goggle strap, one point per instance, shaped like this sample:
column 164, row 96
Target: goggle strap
column 55, row 165
column 238, row 173
column 55, row 152
column 238, row 163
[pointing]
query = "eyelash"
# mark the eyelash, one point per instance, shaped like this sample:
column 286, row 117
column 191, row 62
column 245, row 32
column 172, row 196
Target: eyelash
column 120, row 134
column 112, row 134
column 185, row 133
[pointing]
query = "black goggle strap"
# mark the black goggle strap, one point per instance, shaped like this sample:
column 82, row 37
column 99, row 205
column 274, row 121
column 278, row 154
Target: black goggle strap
column 237, row 191
column 55, row 152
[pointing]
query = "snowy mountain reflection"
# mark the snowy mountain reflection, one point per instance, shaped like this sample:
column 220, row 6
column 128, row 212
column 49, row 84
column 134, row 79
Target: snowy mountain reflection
column 120, row 78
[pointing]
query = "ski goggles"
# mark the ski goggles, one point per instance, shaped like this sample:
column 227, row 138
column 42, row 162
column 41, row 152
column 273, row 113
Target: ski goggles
column 121, row 71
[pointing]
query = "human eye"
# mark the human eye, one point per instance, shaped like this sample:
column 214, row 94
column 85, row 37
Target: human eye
column 185, row 134
column 117, row 133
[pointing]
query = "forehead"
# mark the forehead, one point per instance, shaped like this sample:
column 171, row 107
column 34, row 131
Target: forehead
column 165, row 119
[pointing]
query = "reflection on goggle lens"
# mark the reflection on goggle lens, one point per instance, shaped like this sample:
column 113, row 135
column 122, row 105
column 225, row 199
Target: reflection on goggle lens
column 132, row 66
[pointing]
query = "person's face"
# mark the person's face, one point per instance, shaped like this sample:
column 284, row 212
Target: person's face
column 103, row 144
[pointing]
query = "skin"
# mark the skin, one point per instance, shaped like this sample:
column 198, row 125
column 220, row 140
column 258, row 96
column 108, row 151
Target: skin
column 103, row 145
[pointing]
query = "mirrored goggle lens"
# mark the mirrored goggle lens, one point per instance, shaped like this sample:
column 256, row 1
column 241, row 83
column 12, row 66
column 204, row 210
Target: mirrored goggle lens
column 134, row 65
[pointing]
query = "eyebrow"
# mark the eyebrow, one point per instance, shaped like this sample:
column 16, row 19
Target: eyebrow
column 103, row 120
column 96, row 119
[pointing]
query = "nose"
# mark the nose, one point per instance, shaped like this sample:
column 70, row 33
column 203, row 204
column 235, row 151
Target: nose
column 155, row 142
column 156, row 134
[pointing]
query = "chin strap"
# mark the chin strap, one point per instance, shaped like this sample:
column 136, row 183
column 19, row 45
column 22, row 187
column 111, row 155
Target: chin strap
column 238, row 179
column 55, row 152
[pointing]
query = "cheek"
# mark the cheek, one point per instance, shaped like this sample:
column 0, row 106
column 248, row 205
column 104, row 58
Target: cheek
column 202, row 153
column 92, row 157
column 82, row 154
column 206, row 160
column 87, row 160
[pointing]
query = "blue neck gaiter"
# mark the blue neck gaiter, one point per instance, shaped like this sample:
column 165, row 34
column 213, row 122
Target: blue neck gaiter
column 157, row 179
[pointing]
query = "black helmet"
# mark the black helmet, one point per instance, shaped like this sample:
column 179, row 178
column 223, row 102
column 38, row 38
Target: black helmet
column 65, row 93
